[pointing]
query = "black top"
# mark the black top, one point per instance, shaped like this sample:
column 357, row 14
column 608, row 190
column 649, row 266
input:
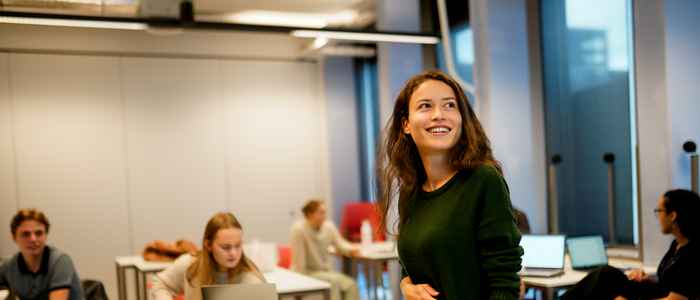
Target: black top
column 462, row 239
column 678, row 270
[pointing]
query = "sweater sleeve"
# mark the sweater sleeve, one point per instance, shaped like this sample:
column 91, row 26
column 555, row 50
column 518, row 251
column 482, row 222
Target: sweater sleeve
column 498, row 238
column 339, row 241
column 298, row 247
column 171, row 281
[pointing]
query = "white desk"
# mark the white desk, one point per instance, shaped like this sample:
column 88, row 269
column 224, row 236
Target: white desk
column 372, row 257
column 288, row 283
column 550, row 285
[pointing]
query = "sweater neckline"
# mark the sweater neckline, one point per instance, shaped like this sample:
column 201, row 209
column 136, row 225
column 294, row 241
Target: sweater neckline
column 441, row 190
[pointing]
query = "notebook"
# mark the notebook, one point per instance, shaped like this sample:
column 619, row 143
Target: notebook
column 544, row 255
column 587, row 252
column 261, row 291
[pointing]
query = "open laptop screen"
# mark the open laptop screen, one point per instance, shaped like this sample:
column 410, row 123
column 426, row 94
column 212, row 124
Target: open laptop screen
column 543, row 251
column 587, row 251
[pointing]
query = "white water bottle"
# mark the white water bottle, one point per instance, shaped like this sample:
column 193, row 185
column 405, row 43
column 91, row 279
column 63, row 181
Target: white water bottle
column 365, row 233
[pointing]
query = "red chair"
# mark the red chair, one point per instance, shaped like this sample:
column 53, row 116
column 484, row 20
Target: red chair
column 284, row 256
column 353, row 215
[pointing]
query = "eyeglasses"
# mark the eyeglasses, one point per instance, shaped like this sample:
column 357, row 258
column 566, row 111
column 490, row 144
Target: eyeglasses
column 658, row 210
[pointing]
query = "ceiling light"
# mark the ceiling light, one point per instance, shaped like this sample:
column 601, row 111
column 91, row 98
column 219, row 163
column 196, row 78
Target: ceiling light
column 366, row 37
column 319, row 42
column 276, row 18
column 74, row 23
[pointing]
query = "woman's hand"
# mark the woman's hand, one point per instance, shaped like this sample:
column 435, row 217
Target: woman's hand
column 412, row 291
column 637, row 275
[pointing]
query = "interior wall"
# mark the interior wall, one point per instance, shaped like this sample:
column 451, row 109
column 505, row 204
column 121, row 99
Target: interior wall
column 682, row 76
column 509, row 103
column 343, row 138
column 8, row 186
column 123, row 148
column 653, row 124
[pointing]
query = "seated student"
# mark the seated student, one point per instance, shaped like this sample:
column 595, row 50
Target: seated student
column 677, row 273
column 221, row 261
column 38, row 271
column 310, row 239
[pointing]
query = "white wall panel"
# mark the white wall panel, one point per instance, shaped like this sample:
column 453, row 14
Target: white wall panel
column 175, row 146
column 274, row 149
column 8, row 205
column 69, row 151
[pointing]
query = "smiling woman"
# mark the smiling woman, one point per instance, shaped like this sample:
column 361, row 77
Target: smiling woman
column 457, row 237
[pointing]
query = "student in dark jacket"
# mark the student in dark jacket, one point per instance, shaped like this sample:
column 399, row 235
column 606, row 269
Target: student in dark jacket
column 457, row 237
column 677, row 274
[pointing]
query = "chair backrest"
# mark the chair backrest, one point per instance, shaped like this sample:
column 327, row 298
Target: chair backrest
column 284, row 256
column 93, row 289
column 353, row 215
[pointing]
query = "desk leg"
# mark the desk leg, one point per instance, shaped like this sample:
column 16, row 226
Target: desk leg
column 121, row 285
column 144, row 286
column 548, row 293
column 375, row 281
column 327, row 294
column 379, row 278
column 137, row 284
column 368, row 278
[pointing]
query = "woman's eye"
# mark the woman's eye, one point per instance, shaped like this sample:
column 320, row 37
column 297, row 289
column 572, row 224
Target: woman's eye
column 451, row 104
column 423, row 105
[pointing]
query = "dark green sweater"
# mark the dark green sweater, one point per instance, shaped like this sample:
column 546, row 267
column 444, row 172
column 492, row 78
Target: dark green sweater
column 462, row 238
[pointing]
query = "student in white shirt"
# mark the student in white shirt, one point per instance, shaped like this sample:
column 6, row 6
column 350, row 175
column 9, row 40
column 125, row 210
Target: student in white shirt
column 310, row 239
column 221, row 261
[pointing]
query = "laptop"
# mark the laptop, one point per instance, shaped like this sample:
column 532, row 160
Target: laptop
column 544, row 255
column 587, row 252
column 260, row 291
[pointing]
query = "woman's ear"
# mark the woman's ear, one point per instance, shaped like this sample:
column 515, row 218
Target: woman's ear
column 406, row 129
column 672, row 216
column 207, row 246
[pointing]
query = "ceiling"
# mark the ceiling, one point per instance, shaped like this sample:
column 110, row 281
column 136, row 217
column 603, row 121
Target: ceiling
column 350, row 14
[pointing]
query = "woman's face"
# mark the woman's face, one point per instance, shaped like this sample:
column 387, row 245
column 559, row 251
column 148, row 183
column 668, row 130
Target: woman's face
column 434, row 121
column 665, row 219
column 227, row 248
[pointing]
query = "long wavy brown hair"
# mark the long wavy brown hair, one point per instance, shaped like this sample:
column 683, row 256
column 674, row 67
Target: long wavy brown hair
column 400, row 167
column 201, row 271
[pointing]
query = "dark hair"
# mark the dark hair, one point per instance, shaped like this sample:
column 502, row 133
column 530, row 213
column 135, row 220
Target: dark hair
column 26, row 215
column 311, row 206
column 686, row 205
column 399, row 164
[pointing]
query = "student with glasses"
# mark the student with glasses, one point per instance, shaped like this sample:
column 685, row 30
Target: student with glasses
column 677, row 278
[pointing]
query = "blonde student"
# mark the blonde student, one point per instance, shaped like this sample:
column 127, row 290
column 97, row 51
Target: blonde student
column 221, row 261
column 310, row 239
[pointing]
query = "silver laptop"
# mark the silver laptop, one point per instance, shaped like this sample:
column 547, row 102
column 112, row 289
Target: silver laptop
column 260, row 291
column 587, row 252
column 544, row 255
